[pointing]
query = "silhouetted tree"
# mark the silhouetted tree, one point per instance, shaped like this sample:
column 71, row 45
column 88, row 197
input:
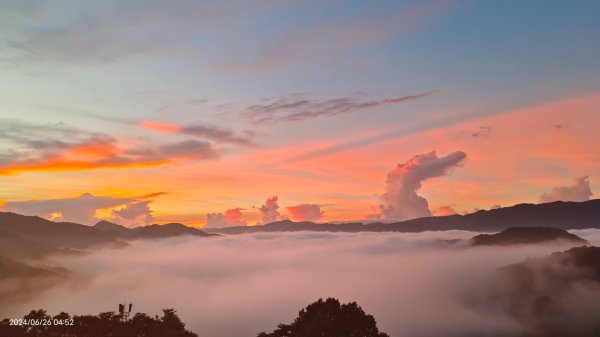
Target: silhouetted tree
column 331, row 319
column 37, row 330
column 105, row 324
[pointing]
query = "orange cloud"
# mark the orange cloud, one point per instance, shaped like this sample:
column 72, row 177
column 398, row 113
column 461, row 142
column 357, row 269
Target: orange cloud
column 444, row 210
column 160, row 127
column 151, row 195
column 233, row 215
column 305, row 212
column 89, row 156
column 87, row 209
column 60, row 164
column 96, row 149
column 105, row 154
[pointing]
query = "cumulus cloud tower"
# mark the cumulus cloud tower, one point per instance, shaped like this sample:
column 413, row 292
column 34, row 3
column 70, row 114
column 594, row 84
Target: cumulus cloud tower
column 400, row 200
column 269, row 210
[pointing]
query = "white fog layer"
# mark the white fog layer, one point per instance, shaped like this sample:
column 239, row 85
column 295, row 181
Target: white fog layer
column 239, row 285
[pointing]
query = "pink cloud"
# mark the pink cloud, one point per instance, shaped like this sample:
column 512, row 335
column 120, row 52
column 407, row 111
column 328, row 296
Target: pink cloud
column 444, row 210
column 579, row 191
column 269, row 210
column 305, row 212
column 231, row 217
column 159, row 126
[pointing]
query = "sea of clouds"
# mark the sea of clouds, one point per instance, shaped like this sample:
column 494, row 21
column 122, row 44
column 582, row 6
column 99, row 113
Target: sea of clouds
column 239, row 285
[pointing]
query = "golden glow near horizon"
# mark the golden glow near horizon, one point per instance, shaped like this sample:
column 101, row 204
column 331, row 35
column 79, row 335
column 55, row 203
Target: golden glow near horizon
column 348, row 183
column 173, row 131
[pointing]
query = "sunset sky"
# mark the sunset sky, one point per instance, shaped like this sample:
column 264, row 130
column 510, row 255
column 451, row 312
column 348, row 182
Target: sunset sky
column 146, row 112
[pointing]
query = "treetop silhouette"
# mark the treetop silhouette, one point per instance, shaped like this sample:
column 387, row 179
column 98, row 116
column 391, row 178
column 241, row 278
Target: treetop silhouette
column 331, row 319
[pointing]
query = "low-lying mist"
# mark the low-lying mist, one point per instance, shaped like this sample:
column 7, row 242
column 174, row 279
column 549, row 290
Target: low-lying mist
column 239, row 285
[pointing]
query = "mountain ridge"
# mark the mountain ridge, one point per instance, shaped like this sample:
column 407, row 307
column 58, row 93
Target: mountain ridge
column 154, row 231
column 23, row 236
column 526, row 235
column 559, row 214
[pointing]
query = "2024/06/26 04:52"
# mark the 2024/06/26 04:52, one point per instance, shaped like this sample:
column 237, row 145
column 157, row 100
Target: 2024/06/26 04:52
column 37, row 322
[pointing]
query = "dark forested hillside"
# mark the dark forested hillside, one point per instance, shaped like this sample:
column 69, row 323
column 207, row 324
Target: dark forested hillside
column 107, row 324
column 526, row 235
column 551, row 296
column 33, row 237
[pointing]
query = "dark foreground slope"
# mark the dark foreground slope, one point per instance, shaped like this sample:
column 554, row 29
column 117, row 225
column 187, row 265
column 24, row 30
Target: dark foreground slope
column 562, row 215
column 103, row 325
column 26, row 240
column 33, row 237
column 553, row 296
column 51, row 236
column 20, row 281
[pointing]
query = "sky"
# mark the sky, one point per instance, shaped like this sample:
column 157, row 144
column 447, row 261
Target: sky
column 225, row 113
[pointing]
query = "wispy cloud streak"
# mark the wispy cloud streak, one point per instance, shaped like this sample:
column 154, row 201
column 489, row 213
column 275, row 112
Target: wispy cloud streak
column 57, row 147
column 294, row 108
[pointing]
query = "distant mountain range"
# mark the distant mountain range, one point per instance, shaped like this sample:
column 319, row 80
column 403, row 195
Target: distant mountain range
column 526, row 235
column 148, row 232
column 25, row 240
column 559, row 214
column 33, row 237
